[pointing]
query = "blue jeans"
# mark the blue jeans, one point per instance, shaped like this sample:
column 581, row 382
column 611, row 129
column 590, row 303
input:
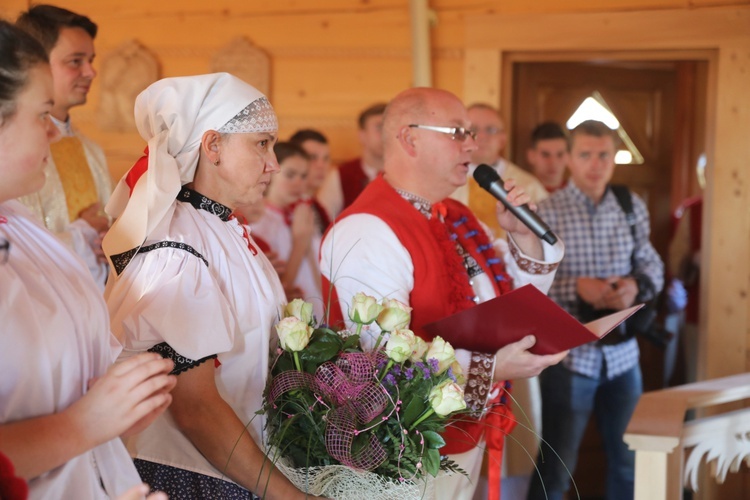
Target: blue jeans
column 567, row 402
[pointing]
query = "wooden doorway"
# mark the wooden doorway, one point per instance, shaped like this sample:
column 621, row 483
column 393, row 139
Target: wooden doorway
column 644, row 96
column 661, row 106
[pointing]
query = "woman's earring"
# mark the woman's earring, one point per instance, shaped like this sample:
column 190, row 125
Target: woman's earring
column 216, row 162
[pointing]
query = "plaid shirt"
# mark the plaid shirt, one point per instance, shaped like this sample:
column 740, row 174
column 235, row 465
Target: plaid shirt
column 599, row 243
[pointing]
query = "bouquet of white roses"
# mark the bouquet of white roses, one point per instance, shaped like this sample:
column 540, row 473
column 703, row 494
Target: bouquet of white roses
column 348, row 423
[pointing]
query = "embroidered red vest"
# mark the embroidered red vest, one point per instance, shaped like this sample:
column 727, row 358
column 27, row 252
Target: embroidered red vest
column 353, row 180
column 441, row 283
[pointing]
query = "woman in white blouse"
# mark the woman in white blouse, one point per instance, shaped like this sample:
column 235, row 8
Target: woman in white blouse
column 62, row 407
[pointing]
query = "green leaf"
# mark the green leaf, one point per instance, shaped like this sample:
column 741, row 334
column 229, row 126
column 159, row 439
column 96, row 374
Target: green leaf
column 433, row 440
column 321, row 350
column 431, row 462
column 283, row 363
column 326, row 331
column 413, row 410
column 351, row 342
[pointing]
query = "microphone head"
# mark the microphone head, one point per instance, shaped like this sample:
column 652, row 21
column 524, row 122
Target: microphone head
column 485, row 175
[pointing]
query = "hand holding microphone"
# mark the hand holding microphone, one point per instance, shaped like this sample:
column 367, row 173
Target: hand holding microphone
column 488, row 179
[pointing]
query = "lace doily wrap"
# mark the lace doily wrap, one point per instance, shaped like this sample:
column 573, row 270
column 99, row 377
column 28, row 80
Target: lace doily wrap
column 355, row 396
column 343, row 483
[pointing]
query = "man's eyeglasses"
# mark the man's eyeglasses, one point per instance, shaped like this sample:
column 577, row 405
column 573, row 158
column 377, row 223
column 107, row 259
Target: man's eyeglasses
column 459, row 134
column 4, row 250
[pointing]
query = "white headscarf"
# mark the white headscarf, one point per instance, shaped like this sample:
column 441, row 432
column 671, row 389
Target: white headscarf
column 172, row 115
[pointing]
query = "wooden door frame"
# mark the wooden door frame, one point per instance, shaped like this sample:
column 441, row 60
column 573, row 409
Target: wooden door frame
column 718, row 35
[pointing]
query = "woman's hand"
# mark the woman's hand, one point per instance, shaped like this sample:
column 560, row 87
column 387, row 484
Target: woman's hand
column 140, row 491
column 279, row 265
column 95, row 217
column 126, row 399
column 303, row 224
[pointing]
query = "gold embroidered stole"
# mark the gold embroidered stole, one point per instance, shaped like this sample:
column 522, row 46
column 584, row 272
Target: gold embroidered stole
column 483, row 204
column 75, row 175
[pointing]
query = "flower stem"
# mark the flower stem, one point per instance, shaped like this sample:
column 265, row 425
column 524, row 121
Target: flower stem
column 387, row 367
column 380, row 338
column 296, row 361
column 422, row 418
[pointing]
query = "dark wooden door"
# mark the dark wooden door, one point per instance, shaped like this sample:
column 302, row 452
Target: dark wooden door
column 642, row 95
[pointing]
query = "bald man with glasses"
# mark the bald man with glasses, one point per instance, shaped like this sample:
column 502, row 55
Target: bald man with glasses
column 403, row 239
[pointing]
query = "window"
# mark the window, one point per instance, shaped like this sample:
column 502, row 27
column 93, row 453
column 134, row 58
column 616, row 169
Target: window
column 595, row 108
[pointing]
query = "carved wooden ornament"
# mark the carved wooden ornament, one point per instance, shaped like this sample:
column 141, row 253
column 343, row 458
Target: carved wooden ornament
column 245, row 61
column 124, row 74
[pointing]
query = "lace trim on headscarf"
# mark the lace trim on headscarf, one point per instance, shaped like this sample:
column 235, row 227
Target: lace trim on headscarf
column 258, row 116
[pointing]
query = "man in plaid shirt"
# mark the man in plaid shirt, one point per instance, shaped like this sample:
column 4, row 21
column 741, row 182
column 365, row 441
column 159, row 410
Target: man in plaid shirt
column 604, row 269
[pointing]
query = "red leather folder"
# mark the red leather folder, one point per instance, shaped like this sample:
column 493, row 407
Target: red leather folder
column 525, row 311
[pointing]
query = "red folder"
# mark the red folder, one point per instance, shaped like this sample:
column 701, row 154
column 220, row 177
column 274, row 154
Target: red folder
column 508, row 318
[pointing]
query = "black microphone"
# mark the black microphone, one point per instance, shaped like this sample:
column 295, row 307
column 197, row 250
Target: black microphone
column 491, row 182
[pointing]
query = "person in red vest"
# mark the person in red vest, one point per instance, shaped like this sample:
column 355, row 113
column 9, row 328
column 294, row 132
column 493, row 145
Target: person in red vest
column 342, row 185
column 403, row 239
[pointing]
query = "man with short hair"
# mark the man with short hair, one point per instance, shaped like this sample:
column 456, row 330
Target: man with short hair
column 78, row 182
column 315, row 144
column 403, row 239
column 492, row 137
column 342, row 186
column 548, row 155
column 609, row 265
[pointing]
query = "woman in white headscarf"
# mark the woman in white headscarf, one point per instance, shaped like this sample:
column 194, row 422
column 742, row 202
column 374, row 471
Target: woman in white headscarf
column 189, row 283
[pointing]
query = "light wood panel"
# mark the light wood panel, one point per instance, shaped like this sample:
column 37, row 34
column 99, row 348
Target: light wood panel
column 727, row 226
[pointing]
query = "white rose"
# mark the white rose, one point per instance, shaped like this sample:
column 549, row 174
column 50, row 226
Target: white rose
column 400, row 345
column 447, row 398
column 395, row 315
column 294, row 334
column 443, row 352
column 364, row 309
column 299, row 309
column 420, row 348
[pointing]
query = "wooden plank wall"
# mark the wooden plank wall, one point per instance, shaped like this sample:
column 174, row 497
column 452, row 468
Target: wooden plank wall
column 330, row 58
